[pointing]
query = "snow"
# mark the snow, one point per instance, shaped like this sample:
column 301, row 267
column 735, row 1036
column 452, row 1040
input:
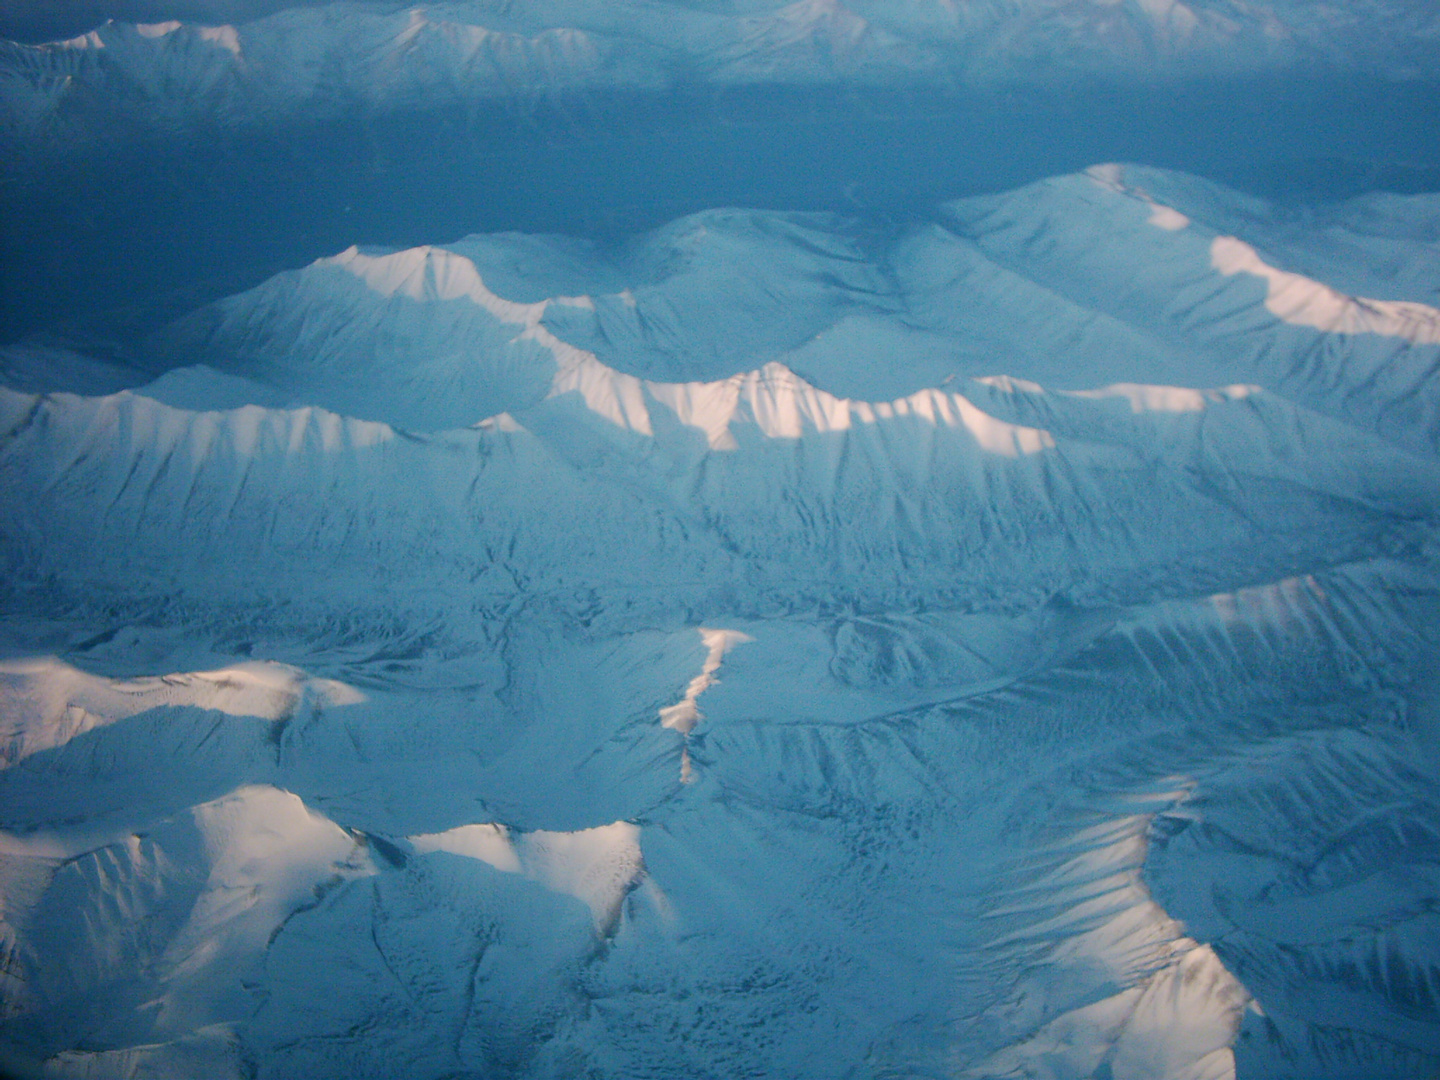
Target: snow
column 393, row 52
column 683, row 715
column 1003, row 646
column 158, row 936
column 1303, row 302
column 1162, row 285
column 596, row 866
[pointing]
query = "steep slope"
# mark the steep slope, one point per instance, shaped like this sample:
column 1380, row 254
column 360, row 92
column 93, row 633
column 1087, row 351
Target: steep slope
column 779, row 645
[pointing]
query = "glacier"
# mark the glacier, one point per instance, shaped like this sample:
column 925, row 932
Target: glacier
column 993, row 635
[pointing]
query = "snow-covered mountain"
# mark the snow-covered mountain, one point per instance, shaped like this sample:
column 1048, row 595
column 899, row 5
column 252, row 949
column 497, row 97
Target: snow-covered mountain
column 386, row 51
column 780, row 645
column 149, row 167
column 312, row 63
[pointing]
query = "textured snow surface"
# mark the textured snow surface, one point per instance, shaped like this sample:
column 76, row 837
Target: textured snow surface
column 393, row 50
column 330, row 60
column 780, row 645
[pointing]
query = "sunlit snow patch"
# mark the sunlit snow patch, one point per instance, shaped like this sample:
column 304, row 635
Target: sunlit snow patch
column 683, row 715
column 179, row 916
column 1172, row 1009
column 1303, row 301
column 1112, row 177
column 45, row 702
column 781, row 405
column 1145, row 398
column 596, row 866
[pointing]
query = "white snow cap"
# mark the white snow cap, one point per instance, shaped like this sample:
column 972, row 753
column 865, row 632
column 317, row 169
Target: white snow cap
column 386, row 53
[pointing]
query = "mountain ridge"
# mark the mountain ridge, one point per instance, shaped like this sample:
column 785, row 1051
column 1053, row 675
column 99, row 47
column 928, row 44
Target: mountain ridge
column 774, row 645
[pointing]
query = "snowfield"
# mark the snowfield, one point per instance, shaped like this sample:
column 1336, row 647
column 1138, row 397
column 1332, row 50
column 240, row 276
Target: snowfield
column 781, row 645
column 386, row 54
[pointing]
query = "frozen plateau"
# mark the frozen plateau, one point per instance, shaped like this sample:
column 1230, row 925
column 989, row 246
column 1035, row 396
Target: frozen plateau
column 756, row 630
